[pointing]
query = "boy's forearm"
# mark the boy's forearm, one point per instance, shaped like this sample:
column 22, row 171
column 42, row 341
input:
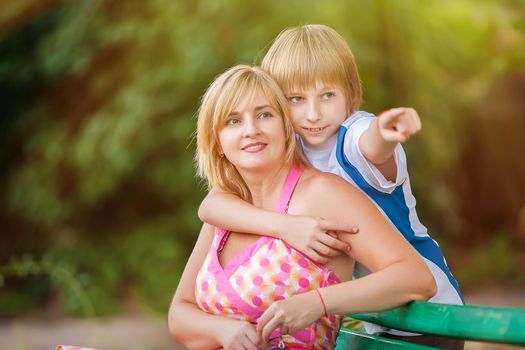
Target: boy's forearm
column 374, row 147
column 232, row 213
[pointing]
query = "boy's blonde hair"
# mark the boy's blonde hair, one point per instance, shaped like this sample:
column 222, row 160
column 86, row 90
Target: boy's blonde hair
column 224, row 93
column 300, row 56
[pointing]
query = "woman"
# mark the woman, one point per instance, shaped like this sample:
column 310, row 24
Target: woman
column 243, row 291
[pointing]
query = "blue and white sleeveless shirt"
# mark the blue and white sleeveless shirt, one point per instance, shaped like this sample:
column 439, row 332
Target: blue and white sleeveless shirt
column 341, row 156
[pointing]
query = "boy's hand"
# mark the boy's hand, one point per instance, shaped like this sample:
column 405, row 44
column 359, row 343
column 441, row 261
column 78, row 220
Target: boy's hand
column 317, row 238
column 398, row 124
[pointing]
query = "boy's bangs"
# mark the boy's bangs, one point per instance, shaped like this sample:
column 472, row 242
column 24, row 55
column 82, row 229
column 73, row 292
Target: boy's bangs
column 305, row 69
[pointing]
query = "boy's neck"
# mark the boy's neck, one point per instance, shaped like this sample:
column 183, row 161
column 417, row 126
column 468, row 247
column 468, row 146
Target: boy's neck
column 324, row 147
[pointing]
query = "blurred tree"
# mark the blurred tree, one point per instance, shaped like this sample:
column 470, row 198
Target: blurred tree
column 490, row 170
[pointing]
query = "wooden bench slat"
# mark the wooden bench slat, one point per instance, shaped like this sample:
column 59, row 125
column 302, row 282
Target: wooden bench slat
column 482, row 323
column 350, row 340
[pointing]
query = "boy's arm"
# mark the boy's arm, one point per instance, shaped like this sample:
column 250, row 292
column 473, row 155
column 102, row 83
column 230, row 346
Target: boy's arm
column 378, row 142
column 315, row 237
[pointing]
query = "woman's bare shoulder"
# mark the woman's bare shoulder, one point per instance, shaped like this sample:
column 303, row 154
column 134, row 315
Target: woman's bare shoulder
column 318, row 183
column 325, row 194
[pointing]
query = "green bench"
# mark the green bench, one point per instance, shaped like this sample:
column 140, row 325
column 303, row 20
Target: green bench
column 469, row 322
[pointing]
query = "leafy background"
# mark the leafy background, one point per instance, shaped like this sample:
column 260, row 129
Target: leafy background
column 98, row 195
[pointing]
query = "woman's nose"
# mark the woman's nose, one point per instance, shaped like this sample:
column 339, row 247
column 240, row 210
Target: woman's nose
column 250, row 128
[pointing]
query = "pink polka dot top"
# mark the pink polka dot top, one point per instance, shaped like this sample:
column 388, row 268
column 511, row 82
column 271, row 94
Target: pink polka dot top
column 266, row 271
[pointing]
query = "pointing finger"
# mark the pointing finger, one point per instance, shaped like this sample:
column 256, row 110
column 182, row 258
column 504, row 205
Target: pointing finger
column 391, row 114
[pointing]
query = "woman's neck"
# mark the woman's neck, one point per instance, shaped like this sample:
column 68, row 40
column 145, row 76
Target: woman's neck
column 265, row 185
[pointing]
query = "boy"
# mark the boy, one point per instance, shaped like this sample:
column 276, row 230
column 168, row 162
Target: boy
column 316, row 69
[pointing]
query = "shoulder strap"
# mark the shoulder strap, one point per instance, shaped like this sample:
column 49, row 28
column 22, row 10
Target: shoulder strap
column 289, row 185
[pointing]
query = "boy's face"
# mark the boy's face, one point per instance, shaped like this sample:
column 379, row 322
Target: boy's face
column 317, row 112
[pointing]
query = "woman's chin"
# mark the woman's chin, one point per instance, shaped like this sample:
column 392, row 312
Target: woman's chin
column 256, row 165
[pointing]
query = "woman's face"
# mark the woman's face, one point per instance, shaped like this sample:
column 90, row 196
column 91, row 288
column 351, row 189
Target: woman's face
column 253, row 136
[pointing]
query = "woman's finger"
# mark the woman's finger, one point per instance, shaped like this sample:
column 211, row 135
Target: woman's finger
column 262, row 321
column 254, row 338
column 269, row 327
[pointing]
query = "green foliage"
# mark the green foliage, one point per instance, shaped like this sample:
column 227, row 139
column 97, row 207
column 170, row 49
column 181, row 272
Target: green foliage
column 496, row 262
column 95, row 276
column 58, row 272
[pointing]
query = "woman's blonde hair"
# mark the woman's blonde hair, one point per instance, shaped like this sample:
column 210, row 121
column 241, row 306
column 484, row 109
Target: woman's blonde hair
column 301, row 56
column 221, row 97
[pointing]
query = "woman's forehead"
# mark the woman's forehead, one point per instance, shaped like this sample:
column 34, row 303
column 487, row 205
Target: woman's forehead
column 256, row 97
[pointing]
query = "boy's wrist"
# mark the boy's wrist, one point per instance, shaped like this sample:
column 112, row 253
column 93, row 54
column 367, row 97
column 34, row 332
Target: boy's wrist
column 382, row 149
column 277, row 225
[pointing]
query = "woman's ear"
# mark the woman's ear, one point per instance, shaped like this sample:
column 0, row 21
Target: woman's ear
column 220, row 152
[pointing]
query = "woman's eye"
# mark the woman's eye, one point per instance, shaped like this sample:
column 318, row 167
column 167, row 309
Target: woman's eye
column 232, row 121
column 295, row 99
column 265, row 115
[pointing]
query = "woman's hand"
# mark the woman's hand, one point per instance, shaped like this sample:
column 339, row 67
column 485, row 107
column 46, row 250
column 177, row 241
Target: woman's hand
column 291, row 315
column 315, row 237
column 240, row 335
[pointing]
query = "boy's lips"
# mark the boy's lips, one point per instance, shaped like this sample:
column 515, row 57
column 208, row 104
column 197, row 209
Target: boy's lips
column 314, row 131
column 254, row 147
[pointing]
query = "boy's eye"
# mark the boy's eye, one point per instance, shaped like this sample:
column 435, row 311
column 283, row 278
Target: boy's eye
column 328, row 95
column 295, row 99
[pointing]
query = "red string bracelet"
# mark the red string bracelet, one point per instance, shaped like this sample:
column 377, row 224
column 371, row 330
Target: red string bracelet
column 322, row 301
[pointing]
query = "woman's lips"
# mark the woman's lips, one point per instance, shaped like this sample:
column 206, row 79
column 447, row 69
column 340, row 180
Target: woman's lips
column 254, row 147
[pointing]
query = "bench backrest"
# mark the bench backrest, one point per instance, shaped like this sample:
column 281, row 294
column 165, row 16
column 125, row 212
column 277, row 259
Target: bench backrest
column 469, row 322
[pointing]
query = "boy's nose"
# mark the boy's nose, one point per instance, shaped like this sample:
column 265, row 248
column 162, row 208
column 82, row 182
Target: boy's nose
column 314, row 114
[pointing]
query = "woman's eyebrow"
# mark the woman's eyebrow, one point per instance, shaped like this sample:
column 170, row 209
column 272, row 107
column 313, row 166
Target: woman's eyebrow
column 262, row 107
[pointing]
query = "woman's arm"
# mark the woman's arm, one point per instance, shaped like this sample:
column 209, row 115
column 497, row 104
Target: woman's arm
column 307, row 234
column 399, row 274
column 196, row 329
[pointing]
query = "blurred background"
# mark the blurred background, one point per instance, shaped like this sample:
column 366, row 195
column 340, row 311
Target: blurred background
column 98, row 195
